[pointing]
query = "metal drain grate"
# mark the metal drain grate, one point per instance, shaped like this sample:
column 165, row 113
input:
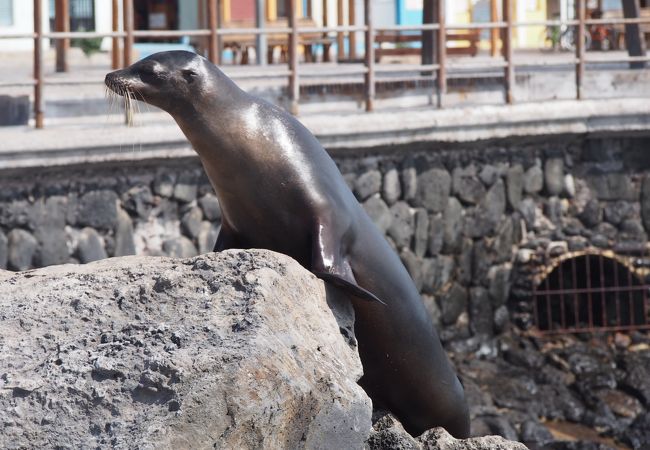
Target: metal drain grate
column 592, row 292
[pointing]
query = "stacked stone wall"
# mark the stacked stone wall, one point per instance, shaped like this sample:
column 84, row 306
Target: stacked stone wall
column 463, row 218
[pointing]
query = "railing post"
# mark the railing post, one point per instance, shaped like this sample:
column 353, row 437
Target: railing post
column 442, row 52
column 352, row 20
column 506, row 42
column 294, row 88
column 214, row 54
column 580, row 47
column 62, row 23
column 115, row 42
column 340, row 36
column 260, row 39
column 494, row 32
column 370, row 56
column 38, row 63
column 634, row 38
column 127, row 7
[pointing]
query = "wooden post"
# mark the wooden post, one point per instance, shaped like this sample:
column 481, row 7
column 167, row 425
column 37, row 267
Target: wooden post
column 127, row 13
column 115, row 42
column 634, row 38
column 494, row 32
column 294, row 88
column 580, row 47
column 62, row 24
column 428, row 44
column 506, row 43
column 441, row 52
column 352, row 19
column 261, row 47
column 38, row 63
column 214, row 54
column 340, row 36
column 370, row 55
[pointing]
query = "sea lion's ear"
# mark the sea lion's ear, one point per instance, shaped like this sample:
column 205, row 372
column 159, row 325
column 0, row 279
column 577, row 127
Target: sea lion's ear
column 189, row 75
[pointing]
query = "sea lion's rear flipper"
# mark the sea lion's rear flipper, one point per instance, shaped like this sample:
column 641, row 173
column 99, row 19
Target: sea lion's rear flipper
column 328, row 264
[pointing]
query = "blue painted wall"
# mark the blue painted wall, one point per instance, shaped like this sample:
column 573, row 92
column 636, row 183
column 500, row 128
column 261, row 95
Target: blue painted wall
column 406, row 13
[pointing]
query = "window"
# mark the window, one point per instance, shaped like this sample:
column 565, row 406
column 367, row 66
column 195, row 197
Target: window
column 6, row 13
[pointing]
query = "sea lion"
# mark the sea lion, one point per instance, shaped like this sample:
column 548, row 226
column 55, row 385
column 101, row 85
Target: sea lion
column 279, row 190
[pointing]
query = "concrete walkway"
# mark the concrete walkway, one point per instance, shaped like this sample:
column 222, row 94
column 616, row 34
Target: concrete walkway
column 90, row 140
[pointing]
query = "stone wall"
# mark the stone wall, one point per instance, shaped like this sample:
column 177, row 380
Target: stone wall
column 462, row 217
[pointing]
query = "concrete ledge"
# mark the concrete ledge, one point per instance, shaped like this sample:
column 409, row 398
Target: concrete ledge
column 88, row 141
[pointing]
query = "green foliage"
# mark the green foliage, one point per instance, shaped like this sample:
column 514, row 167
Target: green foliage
column 89, row 46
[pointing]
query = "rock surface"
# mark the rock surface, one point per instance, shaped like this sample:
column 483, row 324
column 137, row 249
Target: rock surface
column 235, row 350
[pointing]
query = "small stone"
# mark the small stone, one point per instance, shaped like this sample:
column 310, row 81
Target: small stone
column 534, row 180
column 527, row 208
column 632, row 229
column 489, row 175
column 90, row 246
column 391, row 190
column 409, row 182
column 436, row 234
column 191, row 222
column 401, row 227
column 186, row 188
column 499, row 284
column 465, row 260
column 480, row 312
column 3, row 250
column 124, row 241
column 554, row 176
column 163, row 184
column 433, row 188
column 207, row 237
column 600, row 241
column 592, row 214
column 466, row 185
column 179, row 247
column 613, row 186
column 503, row 243
column 569, row 185
column 22, row 247
column 378, row 212
column 452, row 233
column 577, row 243
column 52, row 248
column 367, row 184
column 501, row 319
column 620, row 403
column 494, row 203
column 421, row 235
column 98, row 209
column 553, row 210
column 138, row 201
column 533, row 432
column 14, row 214
column 481, row 263
column 645, row 201
column 413, row 265
column 525, row 255
column 453, row 303
column 210, row 206
column 515, row 184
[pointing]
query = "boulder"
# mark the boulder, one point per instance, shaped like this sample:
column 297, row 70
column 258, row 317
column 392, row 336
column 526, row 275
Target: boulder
column 241, row 349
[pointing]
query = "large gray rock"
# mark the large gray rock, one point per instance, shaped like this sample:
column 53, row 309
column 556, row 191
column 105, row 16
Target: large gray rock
column 367, row 184
column 124, row 240
column 230, row 350
column 401, row 227
column 98, row 209
column 91, row 246
column 378, row 212
column 466, row 185
column 554, row 176
column 391, row 190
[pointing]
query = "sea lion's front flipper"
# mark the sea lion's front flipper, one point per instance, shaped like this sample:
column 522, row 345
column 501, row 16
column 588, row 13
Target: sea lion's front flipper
column 328, row 264
column 226, row 239
column 350, row 286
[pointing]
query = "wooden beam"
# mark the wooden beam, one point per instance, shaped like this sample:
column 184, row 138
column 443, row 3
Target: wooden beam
column 115, row 42
column 428, row 14
column 494, row 32
column 441, row 52
column 261, row 47
column 352, row 18
column 506, row 45
column 38, row 63
column 634, row 38
column 370, row 56
column 62, row 24
column 340, row 36
column 214, row 54
column 581, row 13
column 294, row 87
column 127, row 7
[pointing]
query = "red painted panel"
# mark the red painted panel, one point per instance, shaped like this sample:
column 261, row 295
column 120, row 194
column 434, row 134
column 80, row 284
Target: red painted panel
column 242, row 9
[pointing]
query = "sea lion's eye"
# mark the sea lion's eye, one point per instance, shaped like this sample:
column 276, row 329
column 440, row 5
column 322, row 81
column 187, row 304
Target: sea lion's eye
column 189, row 75
column 147, row 75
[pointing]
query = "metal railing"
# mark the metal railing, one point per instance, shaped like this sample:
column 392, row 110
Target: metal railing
column 369, row 70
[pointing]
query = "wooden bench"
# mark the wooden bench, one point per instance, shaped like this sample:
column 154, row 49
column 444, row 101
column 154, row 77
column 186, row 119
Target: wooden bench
column 470, row 38
column 242, row 43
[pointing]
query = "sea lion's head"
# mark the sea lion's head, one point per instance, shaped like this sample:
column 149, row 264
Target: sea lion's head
column 168, row 80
